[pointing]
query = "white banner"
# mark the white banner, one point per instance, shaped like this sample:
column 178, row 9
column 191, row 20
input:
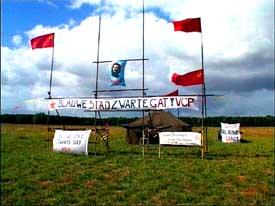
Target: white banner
column 75, row 142
column 180, row 138
column 230, row 132
column 138, row 103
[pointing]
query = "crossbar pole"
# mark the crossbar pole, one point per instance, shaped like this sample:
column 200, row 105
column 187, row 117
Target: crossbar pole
column 108, row 61
column 120, row 90
column 184, row 95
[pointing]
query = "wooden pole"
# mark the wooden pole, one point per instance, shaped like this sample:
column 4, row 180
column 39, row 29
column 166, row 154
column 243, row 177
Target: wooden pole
column 50, row 90
column 119, row 90
column 159, row 151
column 143, row 91
column 128, row 60
column 96, row 87
column 108, row 97
column 204, row 112
column 51, row 75
column 97, row 62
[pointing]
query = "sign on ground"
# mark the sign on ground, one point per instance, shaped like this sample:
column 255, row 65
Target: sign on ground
column 75, row 142
column 230, row 132
column 180, row 138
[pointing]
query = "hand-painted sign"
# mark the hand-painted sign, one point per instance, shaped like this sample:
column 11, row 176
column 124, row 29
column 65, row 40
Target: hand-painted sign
column 230, row 132
column 138, row 103
column 75, row 142
column 180, row 138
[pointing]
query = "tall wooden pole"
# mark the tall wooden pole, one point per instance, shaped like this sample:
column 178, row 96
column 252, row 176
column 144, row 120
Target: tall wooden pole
column 96, row 87
column 143, row 91
column 50, row 91
column 97, row 58
column 204, row 111
column 51, row 75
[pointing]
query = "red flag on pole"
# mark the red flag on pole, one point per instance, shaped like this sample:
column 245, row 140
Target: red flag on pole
column 188, row 25
column 189, row 79
column 174, row 93
column 43, row 41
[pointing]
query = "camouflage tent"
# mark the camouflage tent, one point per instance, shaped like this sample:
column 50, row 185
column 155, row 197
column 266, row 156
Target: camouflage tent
column 158, row 121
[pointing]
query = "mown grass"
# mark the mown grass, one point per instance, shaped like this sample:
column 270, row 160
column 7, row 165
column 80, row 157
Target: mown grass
column 231, row 174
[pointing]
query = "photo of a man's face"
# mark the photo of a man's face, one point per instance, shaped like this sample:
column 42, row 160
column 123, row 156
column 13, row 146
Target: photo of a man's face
column 117, row 73
column 116, row 70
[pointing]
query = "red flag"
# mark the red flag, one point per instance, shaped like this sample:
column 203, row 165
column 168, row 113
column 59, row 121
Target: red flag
column 43, row 41
column 174, row 93
column 189, row 79
column 188, row 25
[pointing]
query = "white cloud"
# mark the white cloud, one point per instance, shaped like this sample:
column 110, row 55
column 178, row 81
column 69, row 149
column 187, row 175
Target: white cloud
column 17, row 40
column 76, row 4
column 234, row 25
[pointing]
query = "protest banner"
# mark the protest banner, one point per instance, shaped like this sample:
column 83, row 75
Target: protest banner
column 180, row 139
column 136, row 103
column 75, row 142
column 230, row 132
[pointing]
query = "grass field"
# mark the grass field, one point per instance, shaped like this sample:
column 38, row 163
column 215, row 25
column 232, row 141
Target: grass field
column 231, row 174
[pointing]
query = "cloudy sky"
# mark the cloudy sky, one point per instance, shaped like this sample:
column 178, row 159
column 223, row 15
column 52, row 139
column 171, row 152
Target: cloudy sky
column 238, row 41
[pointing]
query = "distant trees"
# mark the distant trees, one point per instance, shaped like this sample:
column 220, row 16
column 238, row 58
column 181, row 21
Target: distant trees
column 245, row 121
column 41, row 118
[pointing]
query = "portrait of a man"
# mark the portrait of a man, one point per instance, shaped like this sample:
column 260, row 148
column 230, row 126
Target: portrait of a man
column 117, row 73
column 116, row 70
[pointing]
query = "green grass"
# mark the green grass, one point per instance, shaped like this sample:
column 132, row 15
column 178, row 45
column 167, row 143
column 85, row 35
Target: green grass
column 231, row 174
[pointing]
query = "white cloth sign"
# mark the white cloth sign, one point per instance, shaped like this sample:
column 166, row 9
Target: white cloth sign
column 75, row 142
column 180, row 138
column 138, row 103
column 230, row 132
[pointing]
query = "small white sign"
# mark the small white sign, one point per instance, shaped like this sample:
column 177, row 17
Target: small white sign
column 230, row 132
column 75, row 142
column 180, row 138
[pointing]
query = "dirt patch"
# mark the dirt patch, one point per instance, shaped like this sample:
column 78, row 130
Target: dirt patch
column 242, row 178
column 46, row 183
column 156, row 200
column 249, row 192
column 229, row 186
column 90, row 183
column 109, row 177
column 124, row 172
column 269, row 172
column 68, row 179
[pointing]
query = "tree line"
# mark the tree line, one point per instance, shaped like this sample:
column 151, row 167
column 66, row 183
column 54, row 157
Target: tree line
column 262, row 121
column 42, row 118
